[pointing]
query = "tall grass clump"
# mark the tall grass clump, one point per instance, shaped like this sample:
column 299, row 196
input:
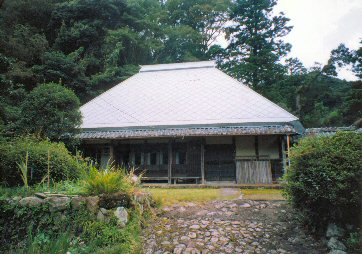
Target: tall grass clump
column 23, row 167
column 109, row 180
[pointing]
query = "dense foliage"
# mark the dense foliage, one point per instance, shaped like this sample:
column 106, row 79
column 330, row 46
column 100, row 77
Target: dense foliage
column 89, row 46
column 50, row 110
column 37, row 230
column 324, row 181
column 62, row 165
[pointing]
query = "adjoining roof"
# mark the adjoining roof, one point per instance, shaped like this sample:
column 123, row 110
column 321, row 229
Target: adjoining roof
column 328, row 131
column 176, row 95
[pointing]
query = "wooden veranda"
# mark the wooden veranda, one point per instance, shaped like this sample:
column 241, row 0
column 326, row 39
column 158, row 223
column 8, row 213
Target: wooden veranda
column 193, row 160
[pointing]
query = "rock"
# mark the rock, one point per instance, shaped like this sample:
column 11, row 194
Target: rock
column 334, row 231
column 114, row 200
column 104, row 211
column 192, row 235
column 195, row 226
column 92, row 204
column 16, row 199
column 31, row 201
column 100, row 216
column 40, row 195
column 185, row 238
column 78, row 202
column 178, row 250
column 122, row 216
column 335, row 244
column 57, row 204
column 245, row 205
column 214, row 239
column 337, row 252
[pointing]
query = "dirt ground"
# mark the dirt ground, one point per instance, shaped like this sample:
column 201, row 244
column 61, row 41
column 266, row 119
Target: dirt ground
column 228, row 226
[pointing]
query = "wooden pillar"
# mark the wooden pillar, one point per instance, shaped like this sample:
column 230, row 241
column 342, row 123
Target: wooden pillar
column 112, row 156
column 202, row 162
column 288, row 149
column 169, row 162
column 257, row 147
column 283, row 155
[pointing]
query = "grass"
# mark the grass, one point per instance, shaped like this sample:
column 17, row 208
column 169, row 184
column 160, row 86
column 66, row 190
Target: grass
column 168, row 197
column 64, row 187
column 262, row 194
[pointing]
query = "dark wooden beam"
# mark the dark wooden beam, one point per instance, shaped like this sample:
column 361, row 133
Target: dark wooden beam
column 169, row 162
column 283, row 155
column 202, row 162
column 257, row 147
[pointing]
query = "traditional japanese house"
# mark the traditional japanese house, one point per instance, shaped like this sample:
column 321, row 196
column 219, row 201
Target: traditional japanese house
column 188, row 122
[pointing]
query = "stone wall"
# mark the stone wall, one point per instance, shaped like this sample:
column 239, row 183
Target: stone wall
column 103, row 206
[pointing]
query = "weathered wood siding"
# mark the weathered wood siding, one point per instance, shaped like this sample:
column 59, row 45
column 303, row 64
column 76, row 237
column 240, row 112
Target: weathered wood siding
column 253, row 171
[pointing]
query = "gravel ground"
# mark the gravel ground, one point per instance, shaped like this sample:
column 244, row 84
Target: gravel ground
column 236, row 226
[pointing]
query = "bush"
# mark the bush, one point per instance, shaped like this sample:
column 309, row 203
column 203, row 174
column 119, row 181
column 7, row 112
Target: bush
column 62, row 164
column 50, row 110
column 324, row 180
column 109, row 180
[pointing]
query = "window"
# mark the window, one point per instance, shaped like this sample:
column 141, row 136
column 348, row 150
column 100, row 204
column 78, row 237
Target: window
column 106, row 151
column 163, row 158
column 153, row 158
column 180, row 157
column 138, row 158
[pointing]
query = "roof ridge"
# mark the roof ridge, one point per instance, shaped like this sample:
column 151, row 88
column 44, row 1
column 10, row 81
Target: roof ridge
column 177, row 66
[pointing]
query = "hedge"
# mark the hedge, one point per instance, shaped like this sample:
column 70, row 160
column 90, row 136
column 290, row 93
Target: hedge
column 62, row 164
column 324, row 180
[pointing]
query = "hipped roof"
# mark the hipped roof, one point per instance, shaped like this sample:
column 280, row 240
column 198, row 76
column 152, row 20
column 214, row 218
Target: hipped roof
column 179, row 95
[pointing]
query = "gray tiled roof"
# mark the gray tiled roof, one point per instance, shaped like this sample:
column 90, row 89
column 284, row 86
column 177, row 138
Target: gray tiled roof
column 178, row 95
column 187, row 131
column 326, row 131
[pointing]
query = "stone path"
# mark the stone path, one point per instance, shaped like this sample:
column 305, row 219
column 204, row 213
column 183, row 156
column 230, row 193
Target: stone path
column 237, row 226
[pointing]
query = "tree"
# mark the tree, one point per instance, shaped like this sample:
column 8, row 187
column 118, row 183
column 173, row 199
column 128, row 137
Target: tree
column 60, row 68
column 343, row 56
column 206, row 17
column 256, row 46
column 50, row 110
column 352, row 106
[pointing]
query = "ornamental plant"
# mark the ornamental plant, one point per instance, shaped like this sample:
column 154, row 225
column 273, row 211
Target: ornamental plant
column 324, row 180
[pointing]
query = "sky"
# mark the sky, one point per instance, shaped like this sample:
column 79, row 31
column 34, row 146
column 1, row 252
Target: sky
column 320, row 26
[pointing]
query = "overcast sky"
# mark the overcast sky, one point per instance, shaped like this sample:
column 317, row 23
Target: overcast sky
column 320, row 26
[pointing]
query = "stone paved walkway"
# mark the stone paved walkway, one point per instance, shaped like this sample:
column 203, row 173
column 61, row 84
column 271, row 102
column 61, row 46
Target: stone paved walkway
column 237, row 226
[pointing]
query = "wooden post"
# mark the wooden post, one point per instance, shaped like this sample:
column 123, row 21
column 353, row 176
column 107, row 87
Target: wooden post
column 111, row 155
column 257, row 147
column 288, row 149
column 169, row 162
column 202, row 162
column 283, row 155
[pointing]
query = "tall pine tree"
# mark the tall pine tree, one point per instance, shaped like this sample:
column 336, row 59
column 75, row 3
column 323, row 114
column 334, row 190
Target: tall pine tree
column 256, row 45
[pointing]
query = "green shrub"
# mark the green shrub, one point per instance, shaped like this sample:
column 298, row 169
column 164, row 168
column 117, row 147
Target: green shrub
column 62, row 164
column 37, row 230
column 109, row 180
column 324, row 180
